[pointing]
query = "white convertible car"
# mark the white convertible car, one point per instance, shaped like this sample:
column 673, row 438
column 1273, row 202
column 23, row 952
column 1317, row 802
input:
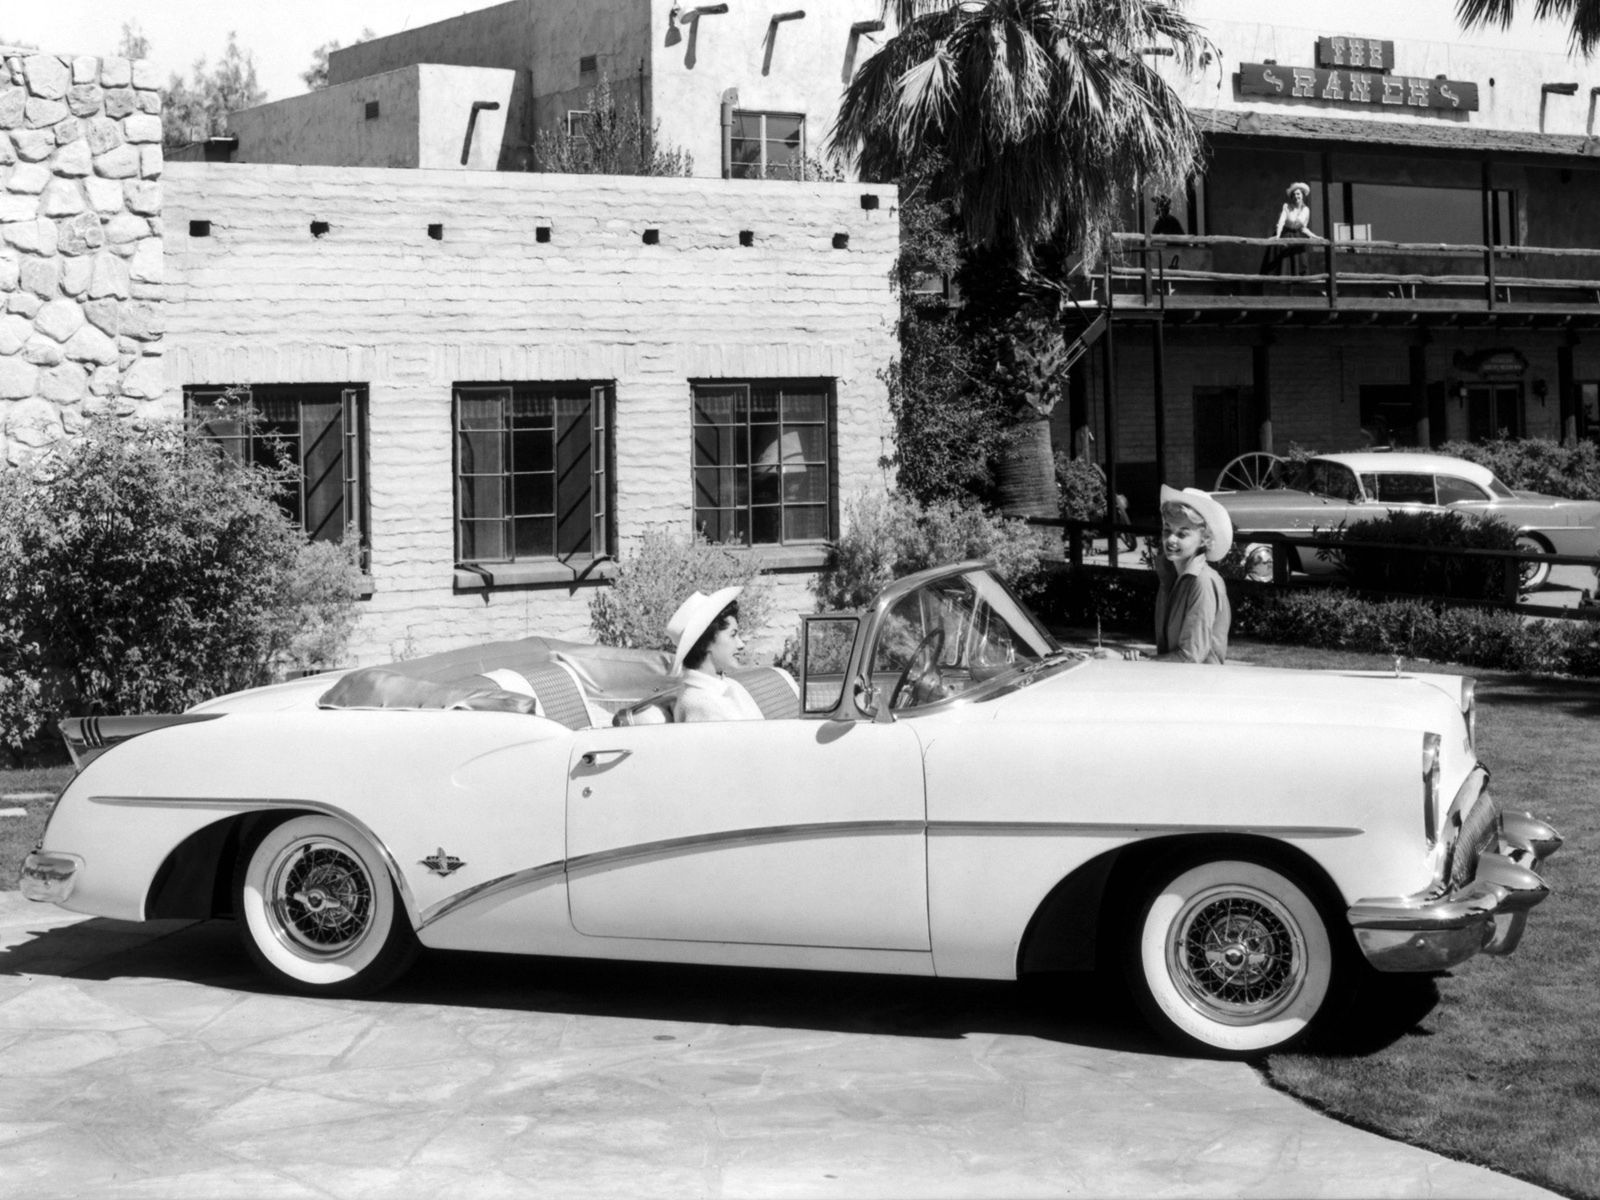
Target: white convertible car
column 945, row 792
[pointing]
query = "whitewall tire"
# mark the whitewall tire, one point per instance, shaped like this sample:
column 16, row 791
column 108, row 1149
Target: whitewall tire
column 318, row 911
column 1229, row 958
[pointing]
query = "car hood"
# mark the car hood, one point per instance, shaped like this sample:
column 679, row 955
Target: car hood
column 1114, row 690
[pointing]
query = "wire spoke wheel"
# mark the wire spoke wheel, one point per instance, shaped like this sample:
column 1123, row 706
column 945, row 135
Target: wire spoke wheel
column 322, row 897
column 1229, row 957
column 1238, row 954
column 1253, row 472
column 318, row 910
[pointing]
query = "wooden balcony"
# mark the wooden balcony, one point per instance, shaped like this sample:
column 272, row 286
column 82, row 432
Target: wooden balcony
column 1217, row 280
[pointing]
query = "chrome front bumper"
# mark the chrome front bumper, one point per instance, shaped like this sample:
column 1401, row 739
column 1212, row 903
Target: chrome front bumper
column 1434, row 931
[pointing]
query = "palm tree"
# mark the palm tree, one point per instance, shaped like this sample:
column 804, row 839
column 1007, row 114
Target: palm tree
column 1583, row 15
column 1038, row 121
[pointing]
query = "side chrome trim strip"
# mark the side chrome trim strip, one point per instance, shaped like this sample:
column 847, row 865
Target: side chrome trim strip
column 517, row 881
column 266, row 804
column 671, row 847
column 1135, row 829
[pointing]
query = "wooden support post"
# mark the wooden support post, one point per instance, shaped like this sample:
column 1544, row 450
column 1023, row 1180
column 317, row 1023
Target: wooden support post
column 1261, row 379
column 1108, row 439
column 1567, row 390
column 1327, row 228
column 1419, row 390
column 1158, row 370
column 1488, row 229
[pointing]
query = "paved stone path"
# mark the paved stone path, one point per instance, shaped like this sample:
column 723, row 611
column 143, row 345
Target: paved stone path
column 149, row 1061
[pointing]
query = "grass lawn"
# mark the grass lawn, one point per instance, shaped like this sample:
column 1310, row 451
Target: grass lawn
column 32, row 789
column 1505, row 1069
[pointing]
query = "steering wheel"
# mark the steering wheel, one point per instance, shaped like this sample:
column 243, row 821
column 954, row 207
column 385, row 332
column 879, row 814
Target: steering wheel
column 921, row 678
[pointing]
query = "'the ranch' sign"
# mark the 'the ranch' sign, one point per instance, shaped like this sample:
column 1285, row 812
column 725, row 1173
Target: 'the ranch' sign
column 1356, row 87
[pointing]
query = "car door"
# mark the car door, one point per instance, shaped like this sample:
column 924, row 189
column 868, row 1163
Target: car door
column 787, row 832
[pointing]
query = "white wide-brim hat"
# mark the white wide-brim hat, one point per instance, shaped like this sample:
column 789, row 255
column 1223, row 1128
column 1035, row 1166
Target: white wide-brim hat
column 1211, row 512
column 694, row 617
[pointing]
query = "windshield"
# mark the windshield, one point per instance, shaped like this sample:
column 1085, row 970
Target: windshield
column 1323, row 478
column 953, row 635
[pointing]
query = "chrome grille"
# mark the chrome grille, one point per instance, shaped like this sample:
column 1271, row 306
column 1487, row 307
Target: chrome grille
column 1475, row 835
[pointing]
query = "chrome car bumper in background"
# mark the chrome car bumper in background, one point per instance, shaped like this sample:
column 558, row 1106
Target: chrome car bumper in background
column 1440, row 929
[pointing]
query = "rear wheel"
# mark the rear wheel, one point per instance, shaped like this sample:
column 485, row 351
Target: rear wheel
column 318, row 911
column 1228, row 957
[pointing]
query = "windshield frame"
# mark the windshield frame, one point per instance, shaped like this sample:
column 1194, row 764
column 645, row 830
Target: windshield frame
column 1028, row 627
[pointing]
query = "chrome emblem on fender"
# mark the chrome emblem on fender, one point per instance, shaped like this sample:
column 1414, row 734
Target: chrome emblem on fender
column 441, row 863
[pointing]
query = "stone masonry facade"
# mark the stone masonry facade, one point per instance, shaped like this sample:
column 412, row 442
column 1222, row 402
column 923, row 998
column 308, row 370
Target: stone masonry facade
column 80, row 245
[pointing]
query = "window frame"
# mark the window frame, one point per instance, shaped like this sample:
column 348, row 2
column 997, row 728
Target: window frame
column 765, row 167
column 354, row 447
column 602, row 475
column 830, row 460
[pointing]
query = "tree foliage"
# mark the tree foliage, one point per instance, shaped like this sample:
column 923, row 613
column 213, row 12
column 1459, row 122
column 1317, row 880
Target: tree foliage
column 316, row 75
column 1582, row 17
column 141, row 571
column 1044, row 115
column 193, row 111
column 616, row 140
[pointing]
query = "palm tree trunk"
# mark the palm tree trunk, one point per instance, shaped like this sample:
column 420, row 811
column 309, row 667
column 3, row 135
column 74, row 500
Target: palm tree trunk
column 1025, row 472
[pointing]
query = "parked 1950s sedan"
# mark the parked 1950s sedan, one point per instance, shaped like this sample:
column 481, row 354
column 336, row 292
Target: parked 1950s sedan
column 1332, row 489
column 946, row 792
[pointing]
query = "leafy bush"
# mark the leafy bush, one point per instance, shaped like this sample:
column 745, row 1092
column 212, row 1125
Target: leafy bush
column 658, row 575
column 1537, row 464
column 616, row 140
column 1083, row 488
column 887, row 537
column 1416, row 572
column 143, row 572
column 1336, row 619
column 1090, row 597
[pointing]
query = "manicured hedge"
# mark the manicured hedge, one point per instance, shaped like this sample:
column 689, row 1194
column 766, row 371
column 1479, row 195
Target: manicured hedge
column 1124, row 603
column 1417, row 572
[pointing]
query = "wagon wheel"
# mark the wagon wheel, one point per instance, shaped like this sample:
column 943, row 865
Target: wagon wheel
column 1252, row 472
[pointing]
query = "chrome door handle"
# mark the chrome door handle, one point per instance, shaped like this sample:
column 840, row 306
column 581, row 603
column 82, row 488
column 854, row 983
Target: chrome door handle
column 596, row 758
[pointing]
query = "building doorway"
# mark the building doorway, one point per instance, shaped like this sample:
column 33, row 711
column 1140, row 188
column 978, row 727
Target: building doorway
column 1493, row 409
column 1224, row 428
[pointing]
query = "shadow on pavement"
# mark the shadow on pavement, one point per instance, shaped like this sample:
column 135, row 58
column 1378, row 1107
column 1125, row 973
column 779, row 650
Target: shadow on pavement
column 1078, row 1009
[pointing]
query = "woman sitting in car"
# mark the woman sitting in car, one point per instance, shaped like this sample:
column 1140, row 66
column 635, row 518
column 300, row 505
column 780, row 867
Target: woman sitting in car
column 709, row 645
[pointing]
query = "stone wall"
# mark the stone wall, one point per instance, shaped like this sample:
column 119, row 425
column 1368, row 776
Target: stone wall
column 80, row 244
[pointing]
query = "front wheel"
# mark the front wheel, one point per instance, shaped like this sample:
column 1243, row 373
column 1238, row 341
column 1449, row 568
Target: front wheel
column 1229, row 958
column 1534, row 575
column 318, row 911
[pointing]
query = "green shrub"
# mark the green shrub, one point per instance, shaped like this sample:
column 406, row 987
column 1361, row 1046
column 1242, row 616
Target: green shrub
column 1335, row 619
column 887, row 537
column 1537, row 464
column 658, row 575
column 144, row 572
column 1083, row 488
column 1416, row 572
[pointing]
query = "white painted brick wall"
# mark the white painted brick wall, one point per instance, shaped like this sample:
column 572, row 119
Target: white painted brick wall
column 377, row 302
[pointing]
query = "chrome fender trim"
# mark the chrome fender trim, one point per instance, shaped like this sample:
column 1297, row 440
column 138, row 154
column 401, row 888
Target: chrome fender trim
column 1524, row 831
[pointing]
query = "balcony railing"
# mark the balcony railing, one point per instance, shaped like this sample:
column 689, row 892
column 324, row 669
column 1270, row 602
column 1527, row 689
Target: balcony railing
column 1179, row 271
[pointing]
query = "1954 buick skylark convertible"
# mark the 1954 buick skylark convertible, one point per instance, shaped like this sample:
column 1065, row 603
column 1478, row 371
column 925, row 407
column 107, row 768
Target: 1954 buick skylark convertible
column 945, row 791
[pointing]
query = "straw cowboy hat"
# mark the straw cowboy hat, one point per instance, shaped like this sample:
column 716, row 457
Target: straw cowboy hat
column 694, row 617
column 1304, row 187
column 1213, row 514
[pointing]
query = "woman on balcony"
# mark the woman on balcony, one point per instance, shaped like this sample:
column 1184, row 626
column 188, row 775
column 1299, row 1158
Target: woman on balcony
column 1294, row 221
